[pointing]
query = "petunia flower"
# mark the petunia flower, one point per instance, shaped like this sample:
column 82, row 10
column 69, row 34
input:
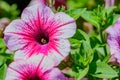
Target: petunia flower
column 109, row 3
column 33, row 2
column 51, row 3
column 40, row 31
column 60, row 3
column 34, row 68
column 113, row 41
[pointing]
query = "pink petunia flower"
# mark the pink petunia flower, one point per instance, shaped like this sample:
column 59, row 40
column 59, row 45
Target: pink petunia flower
column 52, row 3
column 109, row 3
column 34, row 68
column 113, row 41
column 40, row 31
column 60, row 3
column 33, row 2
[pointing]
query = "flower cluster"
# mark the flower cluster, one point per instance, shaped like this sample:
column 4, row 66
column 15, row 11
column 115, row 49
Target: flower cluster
column 40, row 41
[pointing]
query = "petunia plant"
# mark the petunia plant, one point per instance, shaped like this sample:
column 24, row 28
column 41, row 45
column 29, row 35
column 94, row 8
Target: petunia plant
column 61, row 40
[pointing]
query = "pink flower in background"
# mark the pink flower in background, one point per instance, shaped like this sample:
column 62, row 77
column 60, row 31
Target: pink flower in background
column 60, row 3
column 34, row 68
column 40, row 31
column 113, row 41
column 52, row 3
column 33, row 2
column 109, row 3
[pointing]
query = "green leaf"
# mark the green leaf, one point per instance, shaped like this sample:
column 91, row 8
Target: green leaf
column 82, row 73
column 76, row 13
column 115, row 18
column 94, row 41
column 110, row 9
column 74, row 43
column 2, row 43
column 3, row 72
column 73, row 4
column 9, row 11
column 78, row 75
column 102, row 70
column 88, row 16
column 81, row 35
column 85, row 47
column 86, row 53
column 2, row 60
column 4, row 6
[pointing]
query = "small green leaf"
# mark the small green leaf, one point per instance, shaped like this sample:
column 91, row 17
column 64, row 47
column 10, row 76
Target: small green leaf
column 2, row 43
column 78, row 75
column 110, row 9
column 74, row 43
column 4, row 6
column 88, row 16
column 115, row 18
column 85, row 47
column 80, row 35
column 76, row 13
column 86, row 53
column 2, row 60
column 94, row 41
column 3, row 72
column 102, row 70
column 82, row 73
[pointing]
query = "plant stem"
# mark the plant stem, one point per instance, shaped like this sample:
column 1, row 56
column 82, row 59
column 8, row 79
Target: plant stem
column 119, row 73
column 102, row 40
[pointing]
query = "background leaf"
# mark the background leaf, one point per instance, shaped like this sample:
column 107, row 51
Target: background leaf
column 76, row 13
column 102, row 70
column 3, row 72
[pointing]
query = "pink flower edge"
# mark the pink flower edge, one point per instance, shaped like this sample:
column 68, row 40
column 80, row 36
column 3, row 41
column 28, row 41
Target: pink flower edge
column 34, row 68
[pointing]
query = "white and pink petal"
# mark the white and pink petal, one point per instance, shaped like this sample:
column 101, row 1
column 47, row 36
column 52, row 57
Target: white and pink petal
column 54, row 74
column 17, row 34
column 37, row 16
column 62, row 26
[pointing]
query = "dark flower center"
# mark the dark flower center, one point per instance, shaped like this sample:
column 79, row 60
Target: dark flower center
column 34, row 78
column 42, row 38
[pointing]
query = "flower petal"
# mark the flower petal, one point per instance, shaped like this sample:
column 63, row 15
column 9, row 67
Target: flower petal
column 37, row 16
column 113, row 30
column 17, row 33
column 114, row 48
column 57, row 51
column 54, row 74
column 113, row 40
column 33, row 2
column 62, row 26
column 20, row 55
column 60, row 50
column 22, row 68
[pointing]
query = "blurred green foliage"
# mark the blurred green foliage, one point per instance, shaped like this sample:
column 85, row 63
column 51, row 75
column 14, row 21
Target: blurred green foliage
column 9, row 11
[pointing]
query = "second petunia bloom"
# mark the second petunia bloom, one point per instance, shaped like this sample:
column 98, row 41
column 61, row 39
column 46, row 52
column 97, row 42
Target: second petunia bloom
column 35, row 68
column 40, row 31
column 113, row 41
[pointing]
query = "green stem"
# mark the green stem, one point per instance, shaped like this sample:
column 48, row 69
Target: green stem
column 102, row 40
column 119, row 73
